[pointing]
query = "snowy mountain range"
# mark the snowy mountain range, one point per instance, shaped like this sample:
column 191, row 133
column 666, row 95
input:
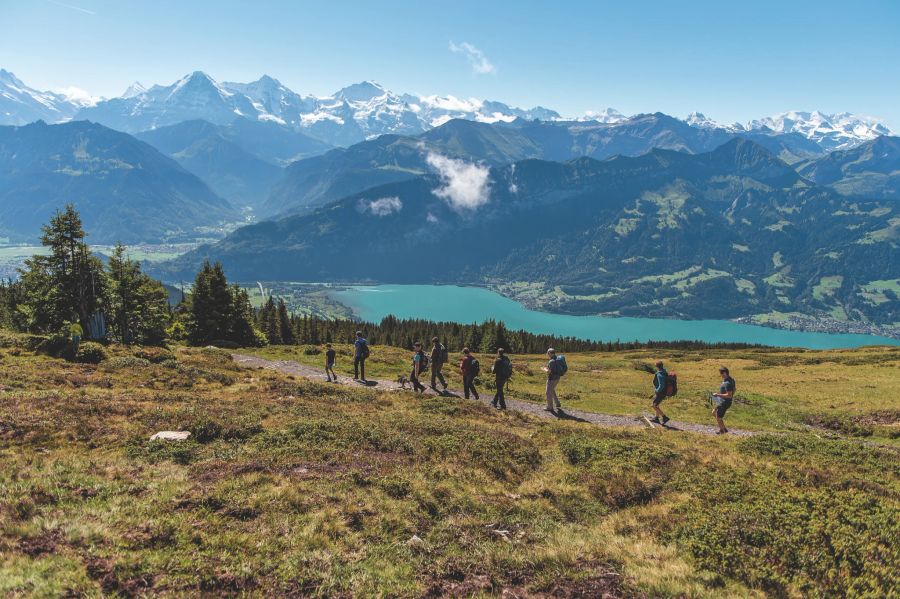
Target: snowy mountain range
column 355, row 113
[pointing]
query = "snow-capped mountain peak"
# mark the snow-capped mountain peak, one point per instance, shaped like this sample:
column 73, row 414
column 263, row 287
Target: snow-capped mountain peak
column 135, row 89
column 363, row 91
column 607, row 115
column 20, row 104
column 832, row 131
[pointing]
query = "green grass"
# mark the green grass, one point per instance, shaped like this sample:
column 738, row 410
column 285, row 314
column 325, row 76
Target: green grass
column 289, row 487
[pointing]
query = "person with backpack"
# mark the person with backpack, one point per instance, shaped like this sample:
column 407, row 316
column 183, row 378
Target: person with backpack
column 502, row 370
column 330, row 356
column 470, row 368
column 723, row 399
column 419, row 365
column 360, row 353
column 439, row 357
column 660, row 384
column 555, row 370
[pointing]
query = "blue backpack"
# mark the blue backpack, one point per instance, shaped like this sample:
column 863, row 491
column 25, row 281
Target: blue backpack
column 560, row 365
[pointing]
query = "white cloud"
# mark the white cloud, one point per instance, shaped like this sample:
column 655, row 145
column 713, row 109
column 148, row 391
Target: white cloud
column 431, row 218
column 78, row 96
column 382, row 206
column 480, row 64
column 466, row 185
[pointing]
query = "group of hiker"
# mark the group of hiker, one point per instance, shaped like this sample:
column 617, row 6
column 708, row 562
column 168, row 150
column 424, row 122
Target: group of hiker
column 665, row 384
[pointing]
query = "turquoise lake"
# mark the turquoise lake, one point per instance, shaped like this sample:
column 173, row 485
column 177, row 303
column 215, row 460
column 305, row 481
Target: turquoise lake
column 475, row 304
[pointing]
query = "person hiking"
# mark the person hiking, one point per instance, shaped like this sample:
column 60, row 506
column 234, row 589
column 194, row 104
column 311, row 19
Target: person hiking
column 438, row 358
column 502, row 370
column 469, row 368
column 330, row 356
column 76, row 333
column 554, row 369
column 660, row 381
column 723, row 399
column 419, row 364
column 360, row 353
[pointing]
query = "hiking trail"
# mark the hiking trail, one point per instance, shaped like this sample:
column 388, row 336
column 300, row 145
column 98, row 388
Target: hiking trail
column 535, row 409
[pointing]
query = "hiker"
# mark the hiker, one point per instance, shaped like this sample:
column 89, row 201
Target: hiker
column 502, row 370
column 360, row 353
column 723, row 399
column 469, row 368
column 439, row 357
column 555, row 369
column 419, row 365
column 660, row 381
column 330, row 356
column 76, row 333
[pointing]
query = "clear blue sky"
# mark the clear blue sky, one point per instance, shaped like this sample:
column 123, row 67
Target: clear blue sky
column 729, row 60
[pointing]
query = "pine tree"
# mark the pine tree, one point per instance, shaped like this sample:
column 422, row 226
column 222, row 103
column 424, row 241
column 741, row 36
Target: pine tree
column 65, row 286
column 138, row 306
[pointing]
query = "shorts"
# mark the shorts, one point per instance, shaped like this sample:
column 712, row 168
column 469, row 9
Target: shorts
column 658, row 398
column 722, row 406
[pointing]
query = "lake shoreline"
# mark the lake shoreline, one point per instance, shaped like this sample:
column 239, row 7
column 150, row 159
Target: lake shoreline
column 476, row 303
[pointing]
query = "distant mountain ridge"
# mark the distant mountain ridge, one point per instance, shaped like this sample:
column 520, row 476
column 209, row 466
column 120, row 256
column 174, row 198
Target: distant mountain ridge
column 359, row 111
column 730, row 232
column 124, row 189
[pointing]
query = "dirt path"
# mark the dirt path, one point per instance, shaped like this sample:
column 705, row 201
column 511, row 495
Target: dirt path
column 637, row 421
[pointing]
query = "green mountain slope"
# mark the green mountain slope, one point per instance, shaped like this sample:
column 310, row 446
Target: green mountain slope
column 725, row 233
column 869, row 170
column 124, row 189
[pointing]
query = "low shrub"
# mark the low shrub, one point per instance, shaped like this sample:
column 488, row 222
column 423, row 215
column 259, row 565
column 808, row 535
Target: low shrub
column 155, row 355
column 90, row 353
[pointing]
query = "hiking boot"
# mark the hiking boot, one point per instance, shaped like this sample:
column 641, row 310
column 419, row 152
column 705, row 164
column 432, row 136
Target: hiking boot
column 655, row 420
column 722, row 432
column 445, row 386
column 558, row 405
column 548, row 410
column 665, row 419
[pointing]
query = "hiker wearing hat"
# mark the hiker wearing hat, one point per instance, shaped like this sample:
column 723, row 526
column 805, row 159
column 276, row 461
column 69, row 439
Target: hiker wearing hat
column 553, row 375
column 469, row 368
column 438, row 358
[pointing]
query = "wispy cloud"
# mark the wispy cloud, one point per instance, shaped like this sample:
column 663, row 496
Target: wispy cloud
column 382, row 206
column 466, row 186
column 480, row 64
column 73, row 7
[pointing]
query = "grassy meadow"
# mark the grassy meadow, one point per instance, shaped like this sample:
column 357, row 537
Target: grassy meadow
column 294, row 488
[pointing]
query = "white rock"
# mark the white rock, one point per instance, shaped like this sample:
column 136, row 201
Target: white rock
column 171, row 436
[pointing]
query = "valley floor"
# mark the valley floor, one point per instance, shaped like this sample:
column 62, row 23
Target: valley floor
column 293, row 487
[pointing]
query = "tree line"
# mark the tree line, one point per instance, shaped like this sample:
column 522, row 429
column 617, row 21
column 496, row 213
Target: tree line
column 69, row 286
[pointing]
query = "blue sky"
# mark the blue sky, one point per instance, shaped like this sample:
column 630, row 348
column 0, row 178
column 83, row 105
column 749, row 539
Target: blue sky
column 732, row 61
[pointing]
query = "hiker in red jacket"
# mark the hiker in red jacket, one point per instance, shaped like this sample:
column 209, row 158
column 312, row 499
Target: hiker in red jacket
column 469, row 368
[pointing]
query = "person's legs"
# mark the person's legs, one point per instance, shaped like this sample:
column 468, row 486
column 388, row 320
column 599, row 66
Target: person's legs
column 719, row 413
column 362, row 368
column 552, row 400
column 499, row 399
column 660, row 415
column 417, row 386
column 437, row 375
column 355, row 368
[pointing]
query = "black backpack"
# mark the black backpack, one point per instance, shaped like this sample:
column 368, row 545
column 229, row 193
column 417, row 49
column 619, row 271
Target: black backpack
column 474, row 368
column 444, row 354
column 504, row 369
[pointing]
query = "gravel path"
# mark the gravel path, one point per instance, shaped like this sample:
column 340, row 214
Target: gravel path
column 638, row 421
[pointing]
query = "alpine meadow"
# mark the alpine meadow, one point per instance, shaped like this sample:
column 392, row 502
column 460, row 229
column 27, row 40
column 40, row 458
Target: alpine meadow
column 458, row 329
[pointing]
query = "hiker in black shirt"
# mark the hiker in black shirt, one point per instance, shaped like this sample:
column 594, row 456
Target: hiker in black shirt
column 723, row 399
column 438, row 357
column 502, row 370
column 330, row 356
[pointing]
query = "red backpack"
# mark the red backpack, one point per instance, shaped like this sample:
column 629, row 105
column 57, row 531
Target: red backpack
column 671, row 384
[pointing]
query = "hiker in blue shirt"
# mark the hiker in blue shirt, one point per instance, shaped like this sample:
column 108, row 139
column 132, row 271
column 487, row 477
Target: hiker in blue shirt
column 418, row 366
column 723, row 399
column 553, row 376
column 660, row 381
column 360, row 353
